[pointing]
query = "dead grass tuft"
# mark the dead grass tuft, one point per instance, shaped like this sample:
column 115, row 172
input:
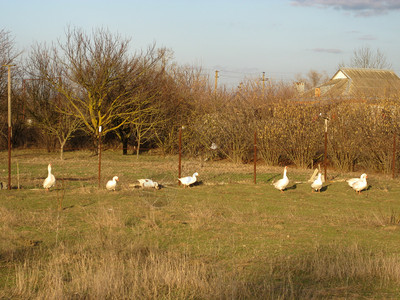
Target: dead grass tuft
column 150, row 273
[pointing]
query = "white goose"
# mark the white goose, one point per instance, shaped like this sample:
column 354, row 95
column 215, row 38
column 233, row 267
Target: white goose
column 112, row 184
column 317, row 184
column 351, row 181
column 186, row 181
column 359, row 184
column 282, row 183
column 50, row 181
column 148, row 183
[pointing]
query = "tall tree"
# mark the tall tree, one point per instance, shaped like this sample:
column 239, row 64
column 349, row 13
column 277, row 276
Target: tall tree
column 45, row 108
column 99, row 78
column 8, row 56
column 149, row 85
column 312, row 79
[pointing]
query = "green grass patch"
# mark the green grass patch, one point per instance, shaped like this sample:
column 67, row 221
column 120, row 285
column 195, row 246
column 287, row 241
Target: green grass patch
column 222, row 238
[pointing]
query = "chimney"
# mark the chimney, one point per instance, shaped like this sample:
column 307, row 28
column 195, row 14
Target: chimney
column 317, row 92
column 299, row 87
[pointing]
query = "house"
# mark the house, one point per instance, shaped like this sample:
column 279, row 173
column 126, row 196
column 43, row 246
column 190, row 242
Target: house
column 352, row 83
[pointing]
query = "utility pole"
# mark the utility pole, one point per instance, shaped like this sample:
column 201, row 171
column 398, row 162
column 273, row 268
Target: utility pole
column 216, row 82
column 263, row 87
column 9, row 124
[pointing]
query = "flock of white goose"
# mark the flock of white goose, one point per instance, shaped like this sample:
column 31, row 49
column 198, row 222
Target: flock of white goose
column 358, row 184
column 111, row 185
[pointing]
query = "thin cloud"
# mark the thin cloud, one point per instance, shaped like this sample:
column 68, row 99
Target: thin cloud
column 327, row 50
column 358, row 7
column 367, row 37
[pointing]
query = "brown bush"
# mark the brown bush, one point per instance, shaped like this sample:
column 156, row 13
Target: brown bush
column 361, row 133
column 291, row 132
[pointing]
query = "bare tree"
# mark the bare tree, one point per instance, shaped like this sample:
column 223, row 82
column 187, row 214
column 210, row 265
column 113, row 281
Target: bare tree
column 364, row 57
column 183, row 94
column 8, row 55
column 312, row 79
column 149, row 105
column 100, row 80
column 45, row 108
column 145, row 125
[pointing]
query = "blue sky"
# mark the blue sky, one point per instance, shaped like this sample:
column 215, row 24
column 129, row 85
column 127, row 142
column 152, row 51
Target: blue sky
column 240, row 38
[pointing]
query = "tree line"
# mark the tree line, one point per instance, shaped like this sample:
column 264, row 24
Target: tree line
column 88, row 84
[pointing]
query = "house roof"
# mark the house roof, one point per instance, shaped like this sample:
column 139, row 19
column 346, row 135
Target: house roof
column 358, row 83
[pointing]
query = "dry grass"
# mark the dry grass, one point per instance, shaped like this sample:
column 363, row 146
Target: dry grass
column 141, row 272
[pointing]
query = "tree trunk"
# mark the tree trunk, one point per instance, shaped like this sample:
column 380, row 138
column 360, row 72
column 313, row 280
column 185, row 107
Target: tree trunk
column 95, row 146
column 62, row 144
column 138, row 147
column 48, row 142
column 124, row 145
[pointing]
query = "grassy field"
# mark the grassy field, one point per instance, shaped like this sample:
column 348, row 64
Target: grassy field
column 224, row 238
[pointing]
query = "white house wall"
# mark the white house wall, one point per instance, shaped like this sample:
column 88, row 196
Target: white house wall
column 339, row 75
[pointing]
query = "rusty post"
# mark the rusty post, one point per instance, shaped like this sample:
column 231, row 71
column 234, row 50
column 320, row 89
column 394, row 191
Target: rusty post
column 394, row 156
column 9, row 157
column 255, row 156
column 9, row 125
column 180, row 155
column 99, row 150
column 326, row 149
column 24, row 98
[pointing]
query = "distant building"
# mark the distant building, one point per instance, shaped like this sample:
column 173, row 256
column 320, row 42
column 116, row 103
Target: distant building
column 299, row 87
column 350, row 83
